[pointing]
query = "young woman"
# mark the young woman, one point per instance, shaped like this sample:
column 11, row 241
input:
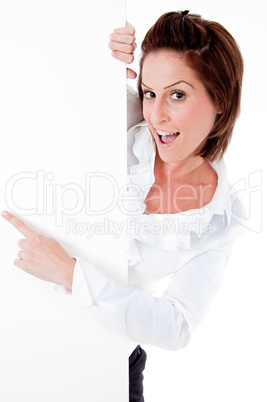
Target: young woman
column 181, row 213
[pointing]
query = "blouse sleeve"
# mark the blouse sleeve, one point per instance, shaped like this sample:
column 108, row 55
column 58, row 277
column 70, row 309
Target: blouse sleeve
column 167, row 321
column 134, row 110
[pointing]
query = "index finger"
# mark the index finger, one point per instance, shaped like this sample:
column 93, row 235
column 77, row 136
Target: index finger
column 18, row 224
column 128, row 30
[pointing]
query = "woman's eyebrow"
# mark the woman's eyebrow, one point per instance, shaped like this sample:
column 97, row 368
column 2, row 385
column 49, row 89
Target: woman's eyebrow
column 169, row 86
column 178, row 82
column 146, row 86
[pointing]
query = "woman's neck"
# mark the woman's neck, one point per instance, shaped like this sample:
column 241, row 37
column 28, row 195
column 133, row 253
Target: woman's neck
column 179, row 187
column 183, row 169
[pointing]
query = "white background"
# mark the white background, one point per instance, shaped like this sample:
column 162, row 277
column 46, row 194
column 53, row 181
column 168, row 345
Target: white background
column 58, row 91
column 62, row 102
column 226, row 360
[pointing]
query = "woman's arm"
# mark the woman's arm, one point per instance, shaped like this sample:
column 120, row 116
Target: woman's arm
column 122, row 43
column 167, row 321
column 134, row 109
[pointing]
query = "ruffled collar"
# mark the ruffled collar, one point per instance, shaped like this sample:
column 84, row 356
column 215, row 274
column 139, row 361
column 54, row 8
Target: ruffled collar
column 169, row 231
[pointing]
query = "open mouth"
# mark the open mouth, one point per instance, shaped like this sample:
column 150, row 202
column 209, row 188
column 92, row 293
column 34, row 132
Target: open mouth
column 167, row 138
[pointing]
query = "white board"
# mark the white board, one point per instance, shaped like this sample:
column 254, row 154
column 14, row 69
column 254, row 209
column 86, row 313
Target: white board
column 63, row 118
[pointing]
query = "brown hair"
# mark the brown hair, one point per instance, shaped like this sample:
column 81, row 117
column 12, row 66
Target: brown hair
column 215, row 56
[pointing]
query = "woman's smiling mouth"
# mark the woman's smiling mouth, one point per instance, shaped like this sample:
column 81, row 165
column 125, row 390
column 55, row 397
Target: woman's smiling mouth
column 166, row 139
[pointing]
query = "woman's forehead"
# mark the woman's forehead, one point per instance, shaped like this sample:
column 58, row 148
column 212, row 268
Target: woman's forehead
column 166, row 66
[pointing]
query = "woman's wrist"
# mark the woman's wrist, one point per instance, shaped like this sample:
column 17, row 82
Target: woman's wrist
column 67, row 276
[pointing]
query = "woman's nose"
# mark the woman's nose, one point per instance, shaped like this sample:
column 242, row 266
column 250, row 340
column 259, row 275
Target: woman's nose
column 159, row 112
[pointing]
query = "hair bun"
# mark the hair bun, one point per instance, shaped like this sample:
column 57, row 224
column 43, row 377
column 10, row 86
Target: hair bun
column 184, row 13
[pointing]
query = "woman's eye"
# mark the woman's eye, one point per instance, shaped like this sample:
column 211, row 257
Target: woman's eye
column 177, row 95
column 149, row 94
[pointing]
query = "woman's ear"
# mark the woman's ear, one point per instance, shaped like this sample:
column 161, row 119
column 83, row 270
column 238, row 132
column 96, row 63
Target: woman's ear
column 220, row 108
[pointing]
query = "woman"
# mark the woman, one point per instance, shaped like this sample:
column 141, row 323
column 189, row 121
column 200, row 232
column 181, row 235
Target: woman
column 181, row 223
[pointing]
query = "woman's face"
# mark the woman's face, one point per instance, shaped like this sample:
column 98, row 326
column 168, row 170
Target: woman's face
column 176, row 105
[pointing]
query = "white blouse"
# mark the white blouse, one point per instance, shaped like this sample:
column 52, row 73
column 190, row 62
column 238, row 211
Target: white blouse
column 176, row 261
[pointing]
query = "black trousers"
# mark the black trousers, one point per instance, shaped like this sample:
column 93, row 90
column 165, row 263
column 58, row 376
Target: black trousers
column 137, row 362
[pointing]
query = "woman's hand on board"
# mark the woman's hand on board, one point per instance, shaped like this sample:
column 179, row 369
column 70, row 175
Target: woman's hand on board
column 41, row 256
column 122, row 43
